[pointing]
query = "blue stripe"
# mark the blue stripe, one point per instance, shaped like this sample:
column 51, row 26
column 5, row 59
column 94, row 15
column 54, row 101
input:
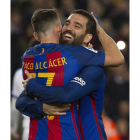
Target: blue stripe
column 67, row 127
column 72, row 68
column 42, row 130
column 38, row 61
column 99, row 94
column 88, row 120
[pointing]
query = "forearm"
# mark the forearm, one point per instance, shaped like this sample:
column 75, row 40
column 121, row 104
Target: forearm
column 29, row 107
column 113, row 56
column 59, row 94
column 68, row 93
column 44, row 93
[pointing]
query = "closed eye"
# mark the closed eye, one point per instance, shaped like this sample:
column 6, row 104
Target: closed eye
column 77, row 26
column 66, row 23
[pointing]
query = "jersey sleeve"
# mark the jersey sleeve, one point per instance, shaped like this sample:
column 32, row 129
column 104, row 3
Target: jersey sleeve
column 87, row 81
column 88, row 56
column 29, row 107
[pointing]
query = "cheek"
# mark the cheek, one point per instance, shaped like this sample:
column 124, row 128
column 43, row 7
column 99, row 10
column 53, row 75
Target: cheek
column 78, row 33
column 63, row 29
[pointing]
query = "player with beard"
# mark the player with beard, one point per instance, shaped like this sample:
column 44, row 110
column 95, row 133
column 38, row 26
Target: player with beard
column 71, row 37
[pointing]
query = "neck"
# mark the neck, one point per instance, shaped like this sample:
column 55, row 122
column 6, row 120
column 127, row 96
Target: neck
column 51, row 39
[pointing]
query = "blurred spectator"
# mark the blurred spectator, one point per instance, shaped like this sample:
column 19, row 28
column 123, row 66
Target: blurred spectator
column 16, row 117
column 124, row 31
column 62, row 16
column 24, row 39
column 96, row 7
column 108, row 4
column 123, row 128
column 81, row 4
column 67, row 6
column 50, row 3
column 39, row 4
column 123, row 109
column 15, row 34
column 110, row 128
column 28, row 9
column 123, row 34
column 15, row 22
column 116, row 89
column 32, row 42
column 107, row 26
column 120, row 13
column 15, row 114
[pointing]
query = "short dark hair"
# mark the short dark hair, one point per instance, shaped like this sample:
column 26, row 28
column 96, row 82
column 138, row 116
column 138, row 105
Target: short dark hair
column 44, row 19
column 91, row 24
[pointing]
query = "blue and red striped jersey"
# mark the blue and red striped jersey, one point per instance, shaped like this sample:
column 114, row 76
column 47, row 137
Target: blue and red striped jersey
column 55, row 65
column 90, row 115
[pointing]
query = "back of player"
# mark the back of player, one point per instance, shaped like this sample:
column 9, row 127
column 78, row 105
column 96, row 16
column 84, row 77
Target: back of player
column 55, row 65
column 52, row 69
column 90, row 115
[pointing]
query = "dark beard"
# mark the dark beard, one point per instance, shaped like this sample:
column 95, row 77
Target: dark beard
column 78, row 41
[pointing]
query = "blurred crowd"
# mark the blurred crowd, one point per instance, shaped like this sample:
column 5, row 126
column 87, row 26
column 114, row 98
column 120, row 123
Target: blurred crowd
column 113, row 16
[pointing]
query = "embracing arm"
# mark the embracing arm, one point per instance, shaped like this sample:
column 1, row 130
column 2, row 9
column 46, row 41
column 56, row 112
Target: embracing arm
column 37, row 109
column 29, row 107
column 87, row 81
column 113, row 56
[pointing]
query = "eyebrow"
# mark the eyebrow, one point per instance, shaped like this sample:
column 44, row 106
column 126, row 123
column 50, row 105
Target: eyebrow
column 75, row 23
column 67, row 21
column 78, row 23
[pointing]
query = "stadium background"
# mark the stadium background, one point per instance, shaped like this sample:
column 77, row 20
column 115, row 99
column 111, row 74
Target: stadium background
column 113, row 16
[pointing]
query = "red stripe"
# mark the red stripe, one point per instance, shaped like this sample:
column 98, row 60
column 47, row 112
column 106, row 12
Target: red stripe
column 54, row 129
column 73, row 119
column 54, row 64
column 28, row 65
column 55, row 59
column 80, row 122
column 33, row 129
column 93, row 106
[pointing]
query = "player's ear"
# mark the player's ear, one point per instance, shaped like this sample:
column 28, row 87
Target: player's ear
column 87, row 38
column 36, row 36
column 59, row 27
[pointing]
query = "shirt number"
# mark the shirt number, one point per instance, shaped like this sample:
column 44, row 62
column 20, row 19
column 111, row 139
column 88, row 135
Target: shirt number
column 49, row 77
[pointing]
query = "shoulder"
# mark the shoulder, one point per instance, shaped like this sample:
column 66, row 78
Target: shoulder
column 91, row 49
column 32, row 50
column 65, row 47
column 85, row 50
column 28, row 52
